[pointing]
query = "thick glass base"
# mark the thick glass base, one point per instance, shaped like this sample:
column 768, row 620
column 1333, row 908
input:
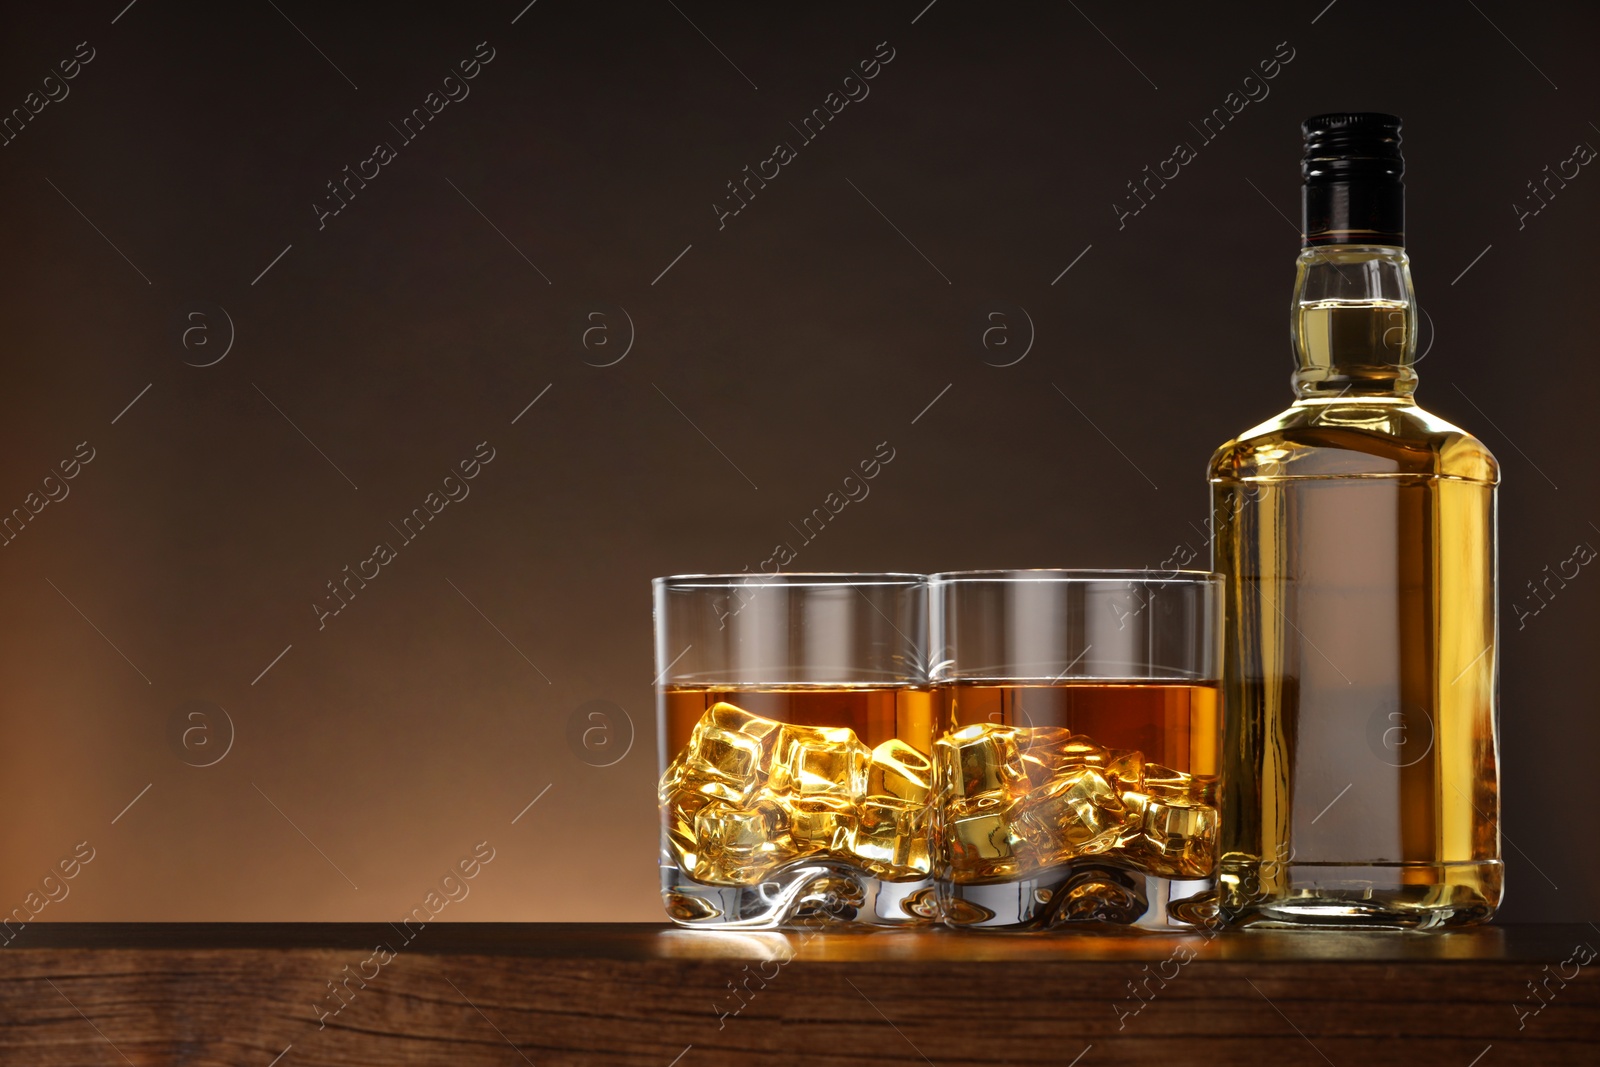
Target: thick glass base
column 1080, row 893
column 1394, row 896
column 807, row 893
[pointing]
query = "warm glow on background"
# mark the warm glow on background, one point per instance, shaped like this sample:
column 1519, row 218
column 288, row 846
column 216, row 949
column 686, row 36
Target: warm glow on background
column 382, row 465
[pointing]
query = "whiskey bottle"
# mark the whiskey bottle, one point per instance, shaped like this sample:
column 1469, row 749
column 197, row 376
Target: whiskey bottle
column 1357, row 534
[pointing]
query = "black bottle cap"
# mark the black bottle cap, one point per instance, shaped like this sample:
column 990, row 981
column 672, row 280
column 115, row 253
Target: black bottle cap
column 1353, row 193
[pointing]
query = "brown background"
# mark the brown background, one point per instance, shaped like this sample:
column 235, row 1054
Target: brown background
column 796, row 339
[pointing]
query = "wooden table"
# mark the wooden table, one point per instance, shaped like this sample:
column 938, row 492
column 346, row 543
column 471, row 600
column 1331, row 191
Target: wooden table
column 468, row 994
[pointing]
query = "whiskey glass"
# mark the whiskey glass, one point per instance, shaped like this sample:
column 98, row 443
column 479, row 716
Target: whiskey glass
column 795, row 728
column 1076, row 764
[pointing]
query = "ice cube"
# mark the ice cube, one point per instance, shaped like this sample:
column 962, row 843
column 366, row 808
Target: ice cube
column 722, row 764
column 724, row 828
column 1162, row 781
column 981, row 759
column 821, row 824
column 1040, row 747
column 1039, row 769
column 1080, row 751
column 1048, row 751
column 987, row 845
column 809, row 761
column 1125, row 768
column 898, row 771
column 1134, row 803
column 1176, row 824
column 892, row 838
column 678, row 810
column 739, row 845
column 732, row 717
column 1078, row 814
column 1178, row 838
column 1041, row 739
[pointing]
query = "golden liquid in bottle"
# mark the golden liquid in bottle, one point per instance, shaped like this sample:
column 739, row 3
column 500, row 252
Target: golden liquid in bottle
column 1360, row 760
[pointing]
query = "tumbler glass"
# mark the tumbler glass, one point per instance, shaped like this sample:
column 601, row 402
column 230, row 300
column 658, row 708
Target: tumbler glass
column 1076, row 767
column 795, row 727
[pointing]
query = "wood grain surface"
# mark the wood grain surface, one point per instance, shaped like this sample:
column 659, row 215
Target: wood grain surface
column 470, row 994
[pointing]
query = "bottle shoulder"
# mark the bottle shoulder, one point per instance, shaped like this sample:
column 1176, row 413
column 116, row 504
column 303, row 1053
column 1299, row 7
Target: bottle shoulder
column 1355, row 437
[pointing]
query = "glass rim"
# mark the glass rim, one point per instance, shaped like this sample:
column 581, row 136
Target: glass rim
column 798, row 579
column 1067, row 576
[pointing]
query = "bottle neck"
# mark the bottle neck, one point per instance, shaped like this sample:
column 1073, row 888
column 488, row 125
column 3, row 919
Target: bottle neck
column 1354, row 322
